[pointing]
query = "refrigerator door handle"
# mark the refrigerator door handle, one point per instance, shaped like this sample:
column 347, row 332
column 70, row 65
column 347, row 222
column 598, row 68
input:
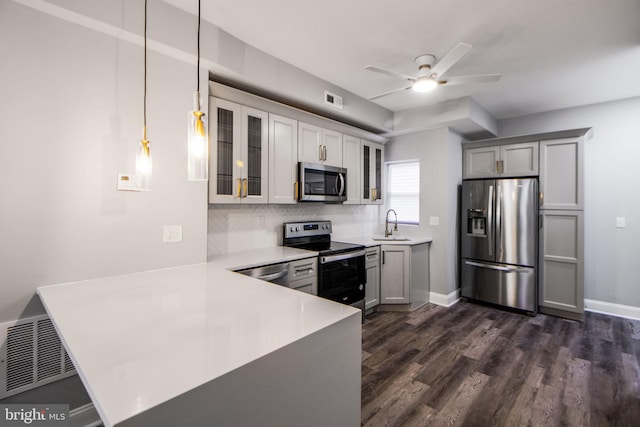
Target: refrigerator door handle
column 499, row 243
column 496, row 267
column 490, row 221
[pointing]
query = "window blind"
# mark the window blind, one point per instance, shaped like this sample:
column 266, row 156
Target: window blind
column 403, row 190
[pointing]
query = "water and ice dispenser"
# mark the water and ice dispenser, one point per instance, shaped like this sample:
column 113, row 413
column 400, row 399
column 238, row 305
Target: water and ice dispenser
column 476, row 222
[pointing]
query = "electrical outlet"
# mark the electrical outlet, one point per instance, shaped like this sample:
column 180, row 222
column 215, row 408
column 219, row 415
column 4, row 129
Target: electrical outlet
column 621, row 222
column 434, row 220
column 260, row 221
column 172, row 233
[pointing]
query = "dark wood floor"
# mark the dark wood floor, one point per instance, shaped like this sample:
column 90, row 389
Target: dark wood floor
column 473, row 365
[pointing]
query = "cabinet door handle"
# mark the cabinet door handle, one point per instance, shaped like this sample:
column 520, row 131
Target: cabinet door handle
column 324, row 151
column 296, row 196
column 383, row 257
column 541, row 198
column 239, row 189
column 497, row 166
column 245, row 189
column 320, row 152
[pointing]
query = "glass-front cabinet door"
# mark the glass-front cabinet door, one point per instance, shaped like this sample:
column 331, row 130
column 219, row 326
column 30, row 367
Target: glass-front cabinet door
column 238, row 141
column 372, row 162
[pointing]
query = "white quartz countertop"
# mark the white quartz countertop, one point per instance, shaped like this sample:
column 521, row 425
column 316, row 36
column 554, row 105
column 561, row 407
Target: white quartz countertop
column 254, row 258
column 139, row 340
column 368, row 241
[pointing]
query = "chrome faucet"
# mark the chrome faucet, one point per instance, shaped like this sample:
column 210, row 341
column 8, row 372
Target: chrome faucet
column 388, row 233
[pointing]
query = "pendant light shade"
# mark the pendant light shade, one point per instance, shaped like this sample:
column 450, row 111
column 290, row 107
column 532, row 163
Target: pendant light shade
column 143, row 155
column 143, row 163
column 197, row 136
column 198, row 144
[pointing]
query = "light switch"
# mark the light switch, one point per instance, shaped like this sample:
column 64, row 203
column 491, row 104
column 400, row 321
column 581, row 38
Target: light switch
column 621, row 222
column 434, row 220
column 172, row 233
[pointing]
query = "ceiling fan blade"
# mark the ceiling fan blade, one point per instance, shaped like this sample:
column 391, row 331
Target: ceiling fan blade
column 454, row 55
column 388, row 93
column 479, row 78
column 389, row 72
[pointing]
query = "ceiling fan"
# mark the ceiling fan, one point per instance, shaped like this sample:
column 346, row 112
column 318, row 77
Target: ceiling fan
column 430, row 76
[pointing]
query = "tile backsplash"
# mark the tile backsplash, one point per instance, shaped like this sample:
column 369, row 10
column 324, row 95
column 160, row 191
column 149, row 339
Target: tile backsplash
column 234, row 228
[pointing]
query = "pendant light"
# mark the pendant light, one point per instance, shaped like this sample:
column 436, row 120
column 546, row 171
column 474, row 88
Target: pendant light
column 197, row 137
column 143, row 156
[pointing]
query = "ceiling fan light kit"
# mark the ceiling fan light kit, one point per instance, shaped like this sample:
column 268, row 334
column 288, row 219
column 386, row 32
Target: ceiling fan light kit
column 430, row 74
column 424, row 84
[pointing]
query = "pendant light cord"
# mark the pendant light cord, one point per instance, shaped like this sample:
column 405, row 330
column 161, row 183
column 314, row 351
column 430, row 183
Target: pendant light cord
column 145, row 64
column 198, row 66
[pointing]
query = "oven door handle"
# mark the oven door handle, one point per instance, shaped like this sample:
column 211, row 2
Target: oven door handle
column 341, row 257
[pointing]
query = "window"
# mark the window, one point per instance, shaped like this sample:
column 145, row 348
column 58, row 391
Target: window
column 403, row 190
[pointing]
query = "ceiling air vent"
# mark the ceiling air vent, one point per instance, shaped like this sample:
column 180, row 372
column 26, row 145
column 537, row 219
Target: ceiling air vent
column 333, row 99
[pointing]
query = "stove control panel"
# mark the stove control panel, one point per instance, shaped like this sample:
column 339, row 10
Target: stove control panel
column 307, row 228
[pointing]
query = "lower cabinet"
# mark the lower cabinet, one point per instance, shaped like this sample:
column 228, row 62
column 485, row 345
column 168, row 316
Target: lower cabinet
column 395, row 275
column 561, row 280
column 372, row 288
column 303, row 275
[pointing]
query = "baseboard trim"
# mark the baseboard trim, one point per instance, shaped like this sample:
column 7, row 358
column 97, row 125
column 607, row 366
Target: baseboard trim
column 612, row 309
column 444, row 300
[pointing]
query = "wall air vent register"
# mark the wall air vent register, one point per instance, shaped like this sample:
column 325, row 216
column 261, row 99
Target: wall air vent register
column 31, row 355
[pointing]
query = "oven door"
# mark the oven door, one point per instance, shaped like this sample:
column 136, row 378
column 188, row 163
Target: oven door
column 320, row 183
column 342, row 277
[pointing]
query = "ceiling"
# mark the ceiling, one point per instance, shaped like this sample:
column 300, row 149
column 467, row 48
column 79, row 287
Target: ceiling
column 551, row 53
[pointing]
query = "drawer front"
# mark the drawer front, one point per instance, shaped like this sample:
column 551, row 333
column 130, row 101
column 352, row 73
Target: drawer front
column 303, row 269
column 309, row 286
column 372, row 255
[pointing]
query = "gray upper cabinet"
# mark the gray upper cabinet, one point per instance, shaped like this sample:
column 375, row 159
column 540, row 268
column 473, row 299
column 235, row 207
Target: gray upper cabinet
column 239, row 153
column 319, row 145
column 283, row 160
column 481, row 162
column 372, row 158
column 501, row 161
column 351, row 162
column 561, row 174
column 519, row 159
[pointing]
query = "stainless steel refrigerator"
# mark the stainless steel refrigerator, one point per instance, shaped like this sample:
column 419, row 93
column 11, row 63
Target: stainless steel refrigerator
column 499, row 242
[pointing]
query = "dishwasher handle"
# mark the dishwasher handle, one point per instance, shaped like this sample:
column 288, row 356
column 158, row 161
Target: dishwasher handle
column 273, row 276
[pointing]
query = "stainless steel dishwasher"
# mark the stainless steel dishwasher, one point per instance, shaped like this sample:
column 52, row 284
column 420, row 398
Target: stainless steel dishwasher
column 274, row 273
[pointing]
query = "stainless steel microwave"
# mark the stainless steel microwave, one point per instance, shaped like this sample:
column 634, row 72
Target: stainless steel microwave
column 320, row 183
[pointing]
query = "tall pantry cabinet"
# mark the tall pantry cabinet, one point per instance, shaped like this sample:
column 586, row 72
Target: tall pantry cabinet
column 561, row 258
column 557, row 159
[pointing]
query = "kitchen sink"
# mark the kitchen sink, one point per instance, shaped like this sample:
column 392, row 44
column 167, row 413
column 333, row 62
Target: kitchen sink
column 391, row 239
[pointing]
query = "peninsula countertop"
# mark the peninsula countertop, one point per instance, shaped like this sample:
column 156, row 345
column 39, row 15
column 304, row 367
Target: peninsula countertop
column 141, row 339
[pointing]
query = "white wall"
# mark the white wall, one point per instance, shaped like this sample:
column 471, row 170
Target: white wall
column 440, row 155
column 611, row 190
column 71, row 119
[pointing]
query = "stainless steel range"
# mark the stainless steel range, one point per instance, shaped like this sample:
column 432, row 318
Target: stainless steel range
column 341, row 271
